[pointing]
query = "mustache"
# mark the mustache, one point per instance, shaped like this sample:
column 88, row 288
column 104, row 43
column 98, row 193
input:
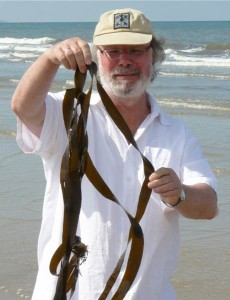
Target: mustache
column 125, row 70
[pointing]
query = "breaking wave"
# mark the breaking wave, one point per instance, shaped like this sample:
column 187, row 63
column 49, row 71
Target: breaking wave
column 16, row 49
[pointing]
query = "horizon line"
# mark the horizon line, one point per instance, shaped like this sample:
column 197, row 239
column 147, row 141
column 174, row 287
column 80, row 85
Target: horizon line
column 2, row 21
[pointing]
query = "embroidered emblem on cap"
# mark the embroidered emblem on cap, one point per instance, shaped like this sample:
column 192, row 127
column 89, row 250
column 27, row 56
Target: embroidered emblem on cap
column 121, row 21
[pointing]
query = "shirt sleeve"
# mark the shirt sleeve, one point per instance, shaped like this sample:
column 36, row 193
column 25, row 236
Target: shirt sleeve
column 195, row 167
column 53, row 135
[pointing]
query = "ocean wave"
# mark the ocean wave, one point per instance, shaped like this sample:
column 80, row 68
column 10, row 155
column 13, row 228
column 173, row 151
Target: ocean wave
column 5, row 47
column 14, row 80
column 7, row 133
column 18, row 56
column 70, row 82
column 24, row 48
column 4, row 55
column 197, row 56
column 193, row 50
column 15, row 59
column 24, row 55
column 177, row 46
column 210, row 63
column 221, row 171
column 23, row 41
column 14, row 49
column 198, row 105
column 222, row 77
column 175, row 59
column 30, row 49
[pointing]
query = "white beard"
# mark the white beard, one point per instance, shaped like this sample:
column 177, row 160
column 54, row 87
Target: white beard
column 124, row 88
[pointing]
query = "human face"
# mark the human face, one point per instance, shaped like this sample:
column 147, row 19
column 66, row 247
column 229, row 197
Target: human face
column 129, row 71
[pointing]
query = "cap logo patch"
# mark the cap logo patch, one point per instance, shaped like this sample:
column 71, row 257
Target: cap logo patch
column 121, row 21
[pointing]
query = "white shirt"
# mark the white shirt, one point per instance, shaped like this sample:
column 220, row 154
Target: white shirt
column 103, row 225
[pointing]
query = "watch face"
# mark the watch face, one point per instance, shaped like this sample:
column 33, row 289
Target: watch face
column 182, row 195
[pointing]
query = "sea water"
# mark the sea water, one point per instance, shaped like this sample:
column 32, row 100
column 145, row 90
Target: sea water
column 193, row 84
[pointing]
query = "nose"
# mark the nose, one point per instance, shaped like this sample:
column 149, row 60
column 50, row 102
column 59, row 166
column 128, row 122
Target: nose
column 124, row 58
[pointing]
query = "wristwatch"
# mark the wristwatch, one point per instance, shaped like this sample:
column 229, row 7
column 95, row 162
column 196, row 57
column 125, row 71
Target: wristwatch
column 180, row 200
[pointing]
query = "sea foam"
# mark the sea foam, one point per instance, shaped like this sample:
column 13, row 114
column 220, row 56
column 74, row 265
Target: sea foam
column 37, row 41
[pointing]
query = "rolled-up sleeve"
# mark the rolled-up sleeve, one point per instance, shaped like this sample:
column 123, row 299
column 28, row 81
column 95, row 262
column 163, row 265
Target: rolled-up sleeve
column 53, row 129
column 195, row 167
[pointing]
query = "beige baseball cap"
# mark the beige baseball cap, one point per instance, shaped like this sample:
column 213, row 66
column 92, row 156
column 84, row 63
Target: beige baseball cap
column 123, row 27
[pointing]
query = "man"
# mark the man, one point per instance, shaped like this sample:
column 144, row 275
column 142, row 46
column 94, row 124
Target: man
column 183, row 183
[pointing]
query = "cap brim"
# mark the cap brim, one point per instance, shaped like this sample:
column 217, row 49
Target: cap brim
column 122, row 38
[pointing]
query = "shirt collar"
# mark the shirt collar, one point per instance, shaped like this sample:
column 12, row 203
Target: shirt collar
column 156, row 111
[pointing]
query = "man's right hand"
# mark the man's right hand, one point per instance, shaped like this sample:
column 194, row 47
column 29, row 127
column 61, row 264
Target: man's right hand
column 71, row 53
column 28, row 101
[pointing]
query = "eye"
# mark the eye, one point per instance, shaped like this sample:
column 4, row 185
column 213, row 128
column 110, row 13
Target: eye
column 112, row 54
column 113, row 51
column 136, row 52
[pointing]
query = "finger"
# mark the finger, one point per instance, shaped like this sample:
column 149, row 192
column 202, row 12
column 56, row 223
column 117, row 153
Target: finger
column 170, row 194
column 86, row 52
column 82, row 55
column 71, row 53
column 165, row 187
column 70, row 56
column 57, row 56
column 159, row 173
column 61, row 55
column 158, row 182
column 79, row 56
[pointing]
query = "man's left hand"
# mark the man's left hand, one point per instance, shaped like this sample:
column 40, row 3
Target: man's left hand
column 166, row 183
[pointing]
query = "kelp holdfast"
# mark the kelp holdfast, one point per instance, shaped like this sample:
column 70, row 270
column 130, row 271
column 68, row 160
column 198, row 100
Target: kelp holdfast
column 76, row 163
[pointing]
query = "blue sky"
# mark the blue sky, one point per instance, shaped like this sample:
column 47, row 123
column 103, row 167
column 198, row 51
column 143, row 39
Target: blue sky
column 73, row 11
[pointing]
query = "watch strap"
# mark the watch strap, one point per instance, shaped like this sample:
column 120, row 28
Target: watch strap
column 180, row 200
